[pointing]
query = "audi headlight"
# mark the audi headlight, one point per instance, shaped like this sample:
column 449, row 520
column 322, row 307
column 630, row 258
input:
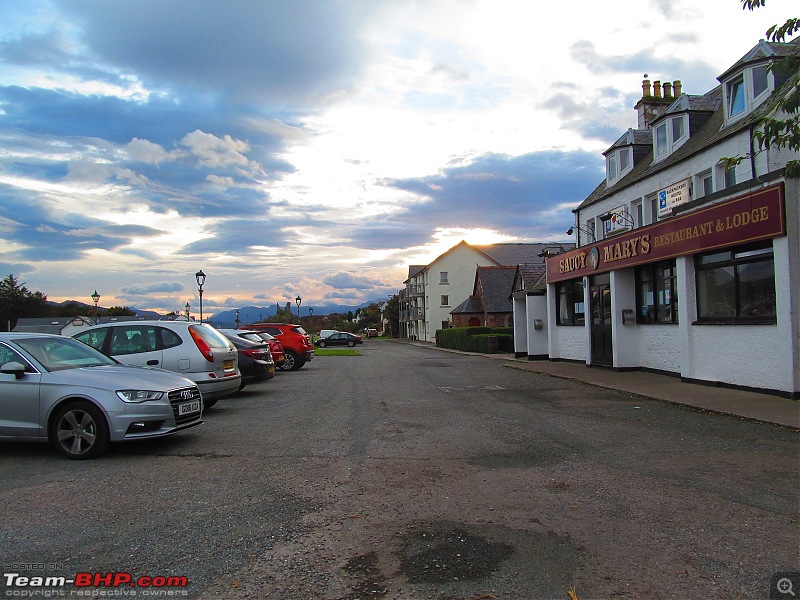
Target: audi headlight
column 139, row 395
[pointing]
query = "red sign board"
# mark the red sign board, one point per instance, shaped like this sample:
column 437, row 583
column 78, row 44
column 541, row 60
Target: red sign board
column 757, row 216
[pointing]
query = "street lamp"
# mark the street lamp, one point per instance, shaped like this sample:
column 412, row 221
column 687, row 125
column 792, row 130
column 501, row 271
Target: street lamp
column 298, row 300
column 187, row 307
column 237, row 318
column 310, row 320
column 96, row 298
column 201, row 279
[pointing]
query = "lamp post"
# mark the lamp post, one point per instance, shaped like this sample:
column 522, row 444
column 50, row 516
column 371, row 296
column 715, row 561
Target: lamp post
column 298, row 300
column 237, row 318
column 96, row 298
column 201, row 280
column 187, row 307
column 310, row 320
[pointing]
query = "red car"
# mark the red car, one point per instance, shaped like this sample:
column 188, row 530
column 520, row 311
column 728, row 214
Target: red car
column 275, row 346
column 297, row 345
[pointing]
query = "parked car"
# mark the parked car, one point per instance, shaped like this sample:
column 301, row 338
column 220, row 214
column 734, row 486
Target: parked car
column 255, row 360
column 297, row 345
column 194, row 350
column 371, row 333
column 275, row 346
column 56, row 389
column 340, row 338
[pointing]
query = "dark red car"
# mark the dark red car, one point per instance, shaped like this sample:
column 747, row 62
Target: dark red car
column 275, row 346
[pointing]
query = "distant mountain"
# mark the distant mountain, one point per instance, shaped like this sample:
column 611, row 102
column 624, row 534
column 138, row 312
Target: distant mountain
column 86, row 310
column 254, row 314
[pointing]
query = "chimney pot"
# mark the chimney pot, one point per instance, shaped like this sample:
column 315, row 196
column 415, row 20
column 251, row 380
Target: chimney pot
column 657, row 89
column 667, row 89
column 645, row 88
column 677, row 87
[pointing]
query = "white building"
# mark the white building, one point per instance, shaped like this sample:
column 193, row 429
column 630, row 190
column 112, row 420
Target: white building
column 684, row 267
column 432, row 291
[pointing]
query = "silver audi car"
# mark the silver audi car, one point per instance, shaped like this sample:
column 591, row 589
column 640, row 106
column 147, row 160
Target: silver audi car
column 57, row 389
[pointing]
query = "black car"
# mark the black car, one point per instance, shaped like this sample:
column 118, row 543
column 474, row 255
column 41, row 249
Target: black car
column 255, row 360
column 340, row 338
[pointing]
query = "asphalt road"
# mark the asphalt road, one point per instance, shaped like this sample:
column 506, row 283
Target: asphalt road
column 410, row 473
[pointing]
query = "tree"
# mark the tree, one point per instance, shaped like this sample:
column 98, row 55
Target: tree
column 391, row 312
column 772, row 131
column 119, row 311
column 17, row 301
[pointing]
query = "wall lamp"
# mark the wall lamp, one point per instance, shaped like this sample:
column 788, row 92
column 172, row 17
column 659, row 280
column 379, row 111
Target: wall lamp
column 622, row 217
column 585, row 230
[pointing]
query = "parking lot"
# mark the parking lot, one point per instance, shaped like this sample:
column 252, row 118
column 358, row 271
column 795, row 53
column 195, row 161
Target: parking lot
column 411, row 473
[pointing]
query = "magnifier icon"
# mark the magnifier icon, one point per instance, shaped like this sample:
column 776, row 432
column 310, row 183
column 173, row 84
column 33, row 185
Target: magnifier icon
column 785, row 586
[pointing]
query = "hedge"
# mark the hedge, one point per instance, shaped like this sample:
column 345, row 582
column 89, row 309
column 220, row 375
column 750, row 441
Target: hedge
column 475, row 339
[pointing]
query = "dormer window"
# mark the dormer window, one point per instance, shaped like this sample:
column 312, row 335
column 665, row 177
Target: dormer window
column 618, row 164
column 746, row 90
column 669, row 135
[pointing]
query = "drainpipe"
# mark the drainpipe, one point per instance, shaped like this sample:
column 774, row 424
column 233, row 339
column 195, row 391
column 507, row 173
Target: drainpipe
column 752, row 157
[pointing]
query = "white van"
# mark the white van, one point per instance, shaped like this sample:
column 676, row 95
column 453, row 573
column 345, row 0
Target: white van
column 327, row 332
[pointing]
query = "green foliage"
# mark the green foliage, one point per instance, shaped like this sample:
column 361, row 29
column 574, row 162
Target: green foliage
column 17, row 301
column 475, row 339
column 120, row 311
column 392, row 313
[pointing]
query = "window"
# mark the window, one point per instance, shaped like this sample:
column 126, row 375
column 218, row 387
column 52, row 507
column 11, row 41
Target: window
column 737, row 285
column 638, row 213
column 443, row 277
column 445, row 300
column 570, row 309
column 705, row 183
column 445, row 324
column 654, row 208
column 624, row 160
column 678, row 129
column 730, row 177
column 760, row 83
column 656, row 293
column 662, row 144
column 612, row 167
column 736, row 99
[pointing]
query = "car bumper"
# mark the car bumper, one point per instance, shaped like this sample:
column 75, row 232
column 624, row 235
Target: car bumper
column 214, row 389
column 146, row 420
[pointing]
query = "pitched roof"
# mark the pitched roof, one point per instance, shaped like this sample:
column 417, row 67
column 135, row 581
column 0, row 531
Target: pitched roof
column 513, row 254
column 711, row 132
column 470, row 305
column 496, row 284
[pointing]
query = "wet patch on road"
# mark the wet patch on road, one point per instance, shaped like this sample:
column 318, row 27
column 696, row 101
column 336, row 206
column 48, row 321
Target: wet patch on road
column 369, row 578
column 531, row 456
column 443, row 552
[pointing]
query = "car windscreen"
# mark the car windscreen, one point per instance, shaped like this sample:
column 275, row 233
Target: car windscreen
column 58, row 354
column 211, row 336
column 299, row 330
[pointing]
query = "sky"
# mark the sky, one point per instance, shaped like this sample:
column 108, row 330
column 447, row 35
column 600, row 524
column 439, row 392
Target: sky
column 316, row 148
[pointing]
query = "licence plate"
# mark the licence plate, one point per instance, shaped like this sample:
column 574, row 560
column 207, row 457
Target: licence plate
column 227, row 365
column 184, row 408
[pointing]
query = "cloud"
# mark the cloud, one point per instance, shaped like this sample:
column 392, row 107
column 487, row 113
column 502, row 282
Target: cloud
column 150, row 288
column 350, row 281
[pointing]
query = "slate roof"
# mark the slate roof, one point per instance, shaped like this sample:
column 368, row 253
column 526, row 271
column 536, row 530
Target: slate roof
column 470, row 305
column 533, row 277
column 513, row 254
column 710, row 133
column 496, row 284
column 47, row 324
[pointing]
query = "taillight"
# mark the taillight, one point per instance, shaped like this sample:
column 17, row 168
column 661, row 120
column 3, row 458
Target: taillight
column 202, row 345
column 254, row 354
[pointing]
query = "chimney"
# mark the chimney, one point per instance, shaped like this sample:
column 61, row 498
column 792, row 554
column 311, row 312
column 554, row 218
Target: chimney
column 650, row 106
column 676, row 87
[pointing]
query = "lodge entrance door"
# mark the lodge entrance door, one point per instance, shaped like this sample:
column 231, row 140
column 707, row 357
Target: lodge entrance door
column 602, row 348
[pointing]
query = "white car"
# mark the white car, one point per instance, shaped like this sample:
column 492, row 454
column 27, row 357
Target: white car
column 56, row 389
column 195, row 350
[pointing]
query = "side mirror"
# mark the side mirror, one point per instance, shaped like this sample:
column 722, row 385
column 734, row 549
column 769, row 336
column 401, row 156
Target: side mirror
column 13, row 368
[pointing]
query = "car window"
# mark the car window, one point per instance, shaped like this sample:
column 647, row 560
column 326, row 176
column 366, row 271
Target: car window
column 56, row 354
column 8, row 355
column 95, row 337
column 211, row 337
column 169, row 339
column 299, row 330
column 273, row 331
